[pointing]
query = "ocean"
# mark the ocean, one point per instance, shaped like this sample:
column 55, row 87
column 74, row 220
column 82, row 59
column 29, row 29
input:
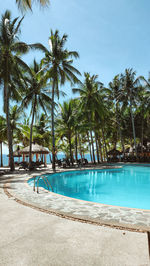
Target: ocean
column 59, row 156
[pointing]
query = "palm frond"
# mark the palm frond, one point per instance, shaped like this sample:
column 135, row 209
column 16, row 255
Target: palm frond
column 39, row 46
column 20, row 47
column 22, row 64
column 18, row 26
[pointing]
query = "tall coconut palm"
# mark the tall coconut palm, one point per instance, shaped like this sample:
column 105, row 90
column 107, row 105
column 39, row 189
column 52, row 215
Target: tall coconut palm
column 25, row 5
column 128, row 95
column 15, row 118
column 113, row 93
column 58, row 62
column 3, row 136
column 10, row 48
column 36, row 94
column 23, row 135
column 42, row 133
column 15, row 115
column 90, row 100
column 77, row 125
column 144, row 103
column 66, row 123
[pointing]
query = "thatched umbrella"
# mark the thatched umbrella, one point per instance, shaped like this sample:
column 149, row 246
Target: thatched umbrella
column 36, row 149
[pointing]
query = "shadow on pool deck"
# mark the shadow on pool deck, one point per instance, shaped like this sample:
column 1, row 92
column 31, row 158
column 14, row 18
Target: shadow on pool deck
column 29, row 237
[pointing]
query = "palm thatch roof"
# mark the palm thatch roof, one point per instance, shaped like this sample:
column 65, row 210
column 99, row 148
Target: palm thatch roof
column 35, row 149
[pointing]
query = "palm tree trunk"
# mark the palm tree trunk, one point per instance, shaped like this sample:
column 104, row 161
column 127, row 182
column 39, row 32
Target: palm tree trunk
column 100, row 148
column 31, row 129
column 120, row 133
column 133, row 127
column 122, row 142
column 53, row 128
column 104, row 144
column 92, row 143
column 70, row 147
column 97, row 150
column 80, row 146
column 9, row 131
column 76, row 146
column 1, row 154
column 142, row 135
column 92, row 146
column 50, row 158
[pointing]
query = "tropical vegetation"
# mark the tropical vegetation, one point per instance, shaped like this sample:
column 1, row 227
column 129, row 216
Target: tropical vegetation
column 25, row 5
column 99, row 118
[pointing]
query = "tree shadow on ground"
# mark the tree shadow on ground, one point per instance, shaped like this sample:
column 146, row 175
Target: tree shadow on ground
column 10, row 180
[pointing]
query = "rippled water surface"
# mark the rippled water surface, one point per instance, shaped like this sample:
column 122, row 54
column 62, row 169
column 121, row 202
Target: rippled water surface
column 128, row 186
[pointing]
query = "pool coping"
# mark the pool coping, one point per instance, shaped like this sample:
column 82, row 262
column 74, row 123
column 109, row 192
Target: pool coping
column 92, row 202
column 80, row 218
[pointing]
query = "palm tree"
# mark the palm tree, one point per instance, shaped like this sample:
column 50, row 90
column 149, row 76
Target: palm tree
column 10, row 47
column 128, row 95
column 90, row 100
column 37, row 95
column 65, row 123
column 144, row 103
column 113, row 93
column 15, row 117
column 77, row 125
column 23, row 135
column 58, row 63
column 25, row 5
column 3, row 136
column 41, row 131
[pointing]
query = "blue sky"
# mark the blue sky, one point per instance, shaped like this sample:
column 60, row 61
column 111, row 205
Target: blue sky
column 110, row 35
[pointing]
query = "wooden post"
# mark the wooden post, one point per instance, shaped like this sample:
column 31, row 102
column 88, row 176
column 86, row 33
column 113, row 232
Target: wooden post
column 45, row 164
column 37, row 157
column 23, row 157
column 34, row 185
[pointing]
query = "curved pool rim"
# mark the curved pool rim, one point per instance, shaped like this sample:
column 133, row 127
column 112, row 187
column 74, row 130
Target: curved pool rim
column 35, row 206
column 109, row 166
column 23, row 194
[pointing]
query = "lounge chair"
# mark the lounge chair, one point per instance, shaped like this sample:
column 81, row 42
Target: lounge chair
column 82, row 161
column 59, row 162
column 24, row 165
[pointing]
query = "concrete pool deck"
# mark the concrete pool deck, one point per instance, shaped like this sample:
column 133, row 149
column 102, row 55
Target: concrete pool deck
column 31, row 237
column 17, row 188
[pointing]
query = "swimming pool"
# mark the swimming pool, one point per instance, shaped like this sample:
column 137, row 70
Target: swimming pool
column 128, row 186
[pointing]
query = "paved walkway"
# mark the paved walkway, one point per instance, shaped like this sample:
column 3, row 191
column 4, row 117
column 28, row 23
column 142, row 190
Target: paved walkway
column 30, row 237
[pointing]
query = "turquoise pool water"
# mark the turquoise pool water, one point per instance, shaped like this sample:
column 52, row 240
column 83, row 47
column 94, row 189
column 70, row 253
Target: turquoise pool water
column 128, row 186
